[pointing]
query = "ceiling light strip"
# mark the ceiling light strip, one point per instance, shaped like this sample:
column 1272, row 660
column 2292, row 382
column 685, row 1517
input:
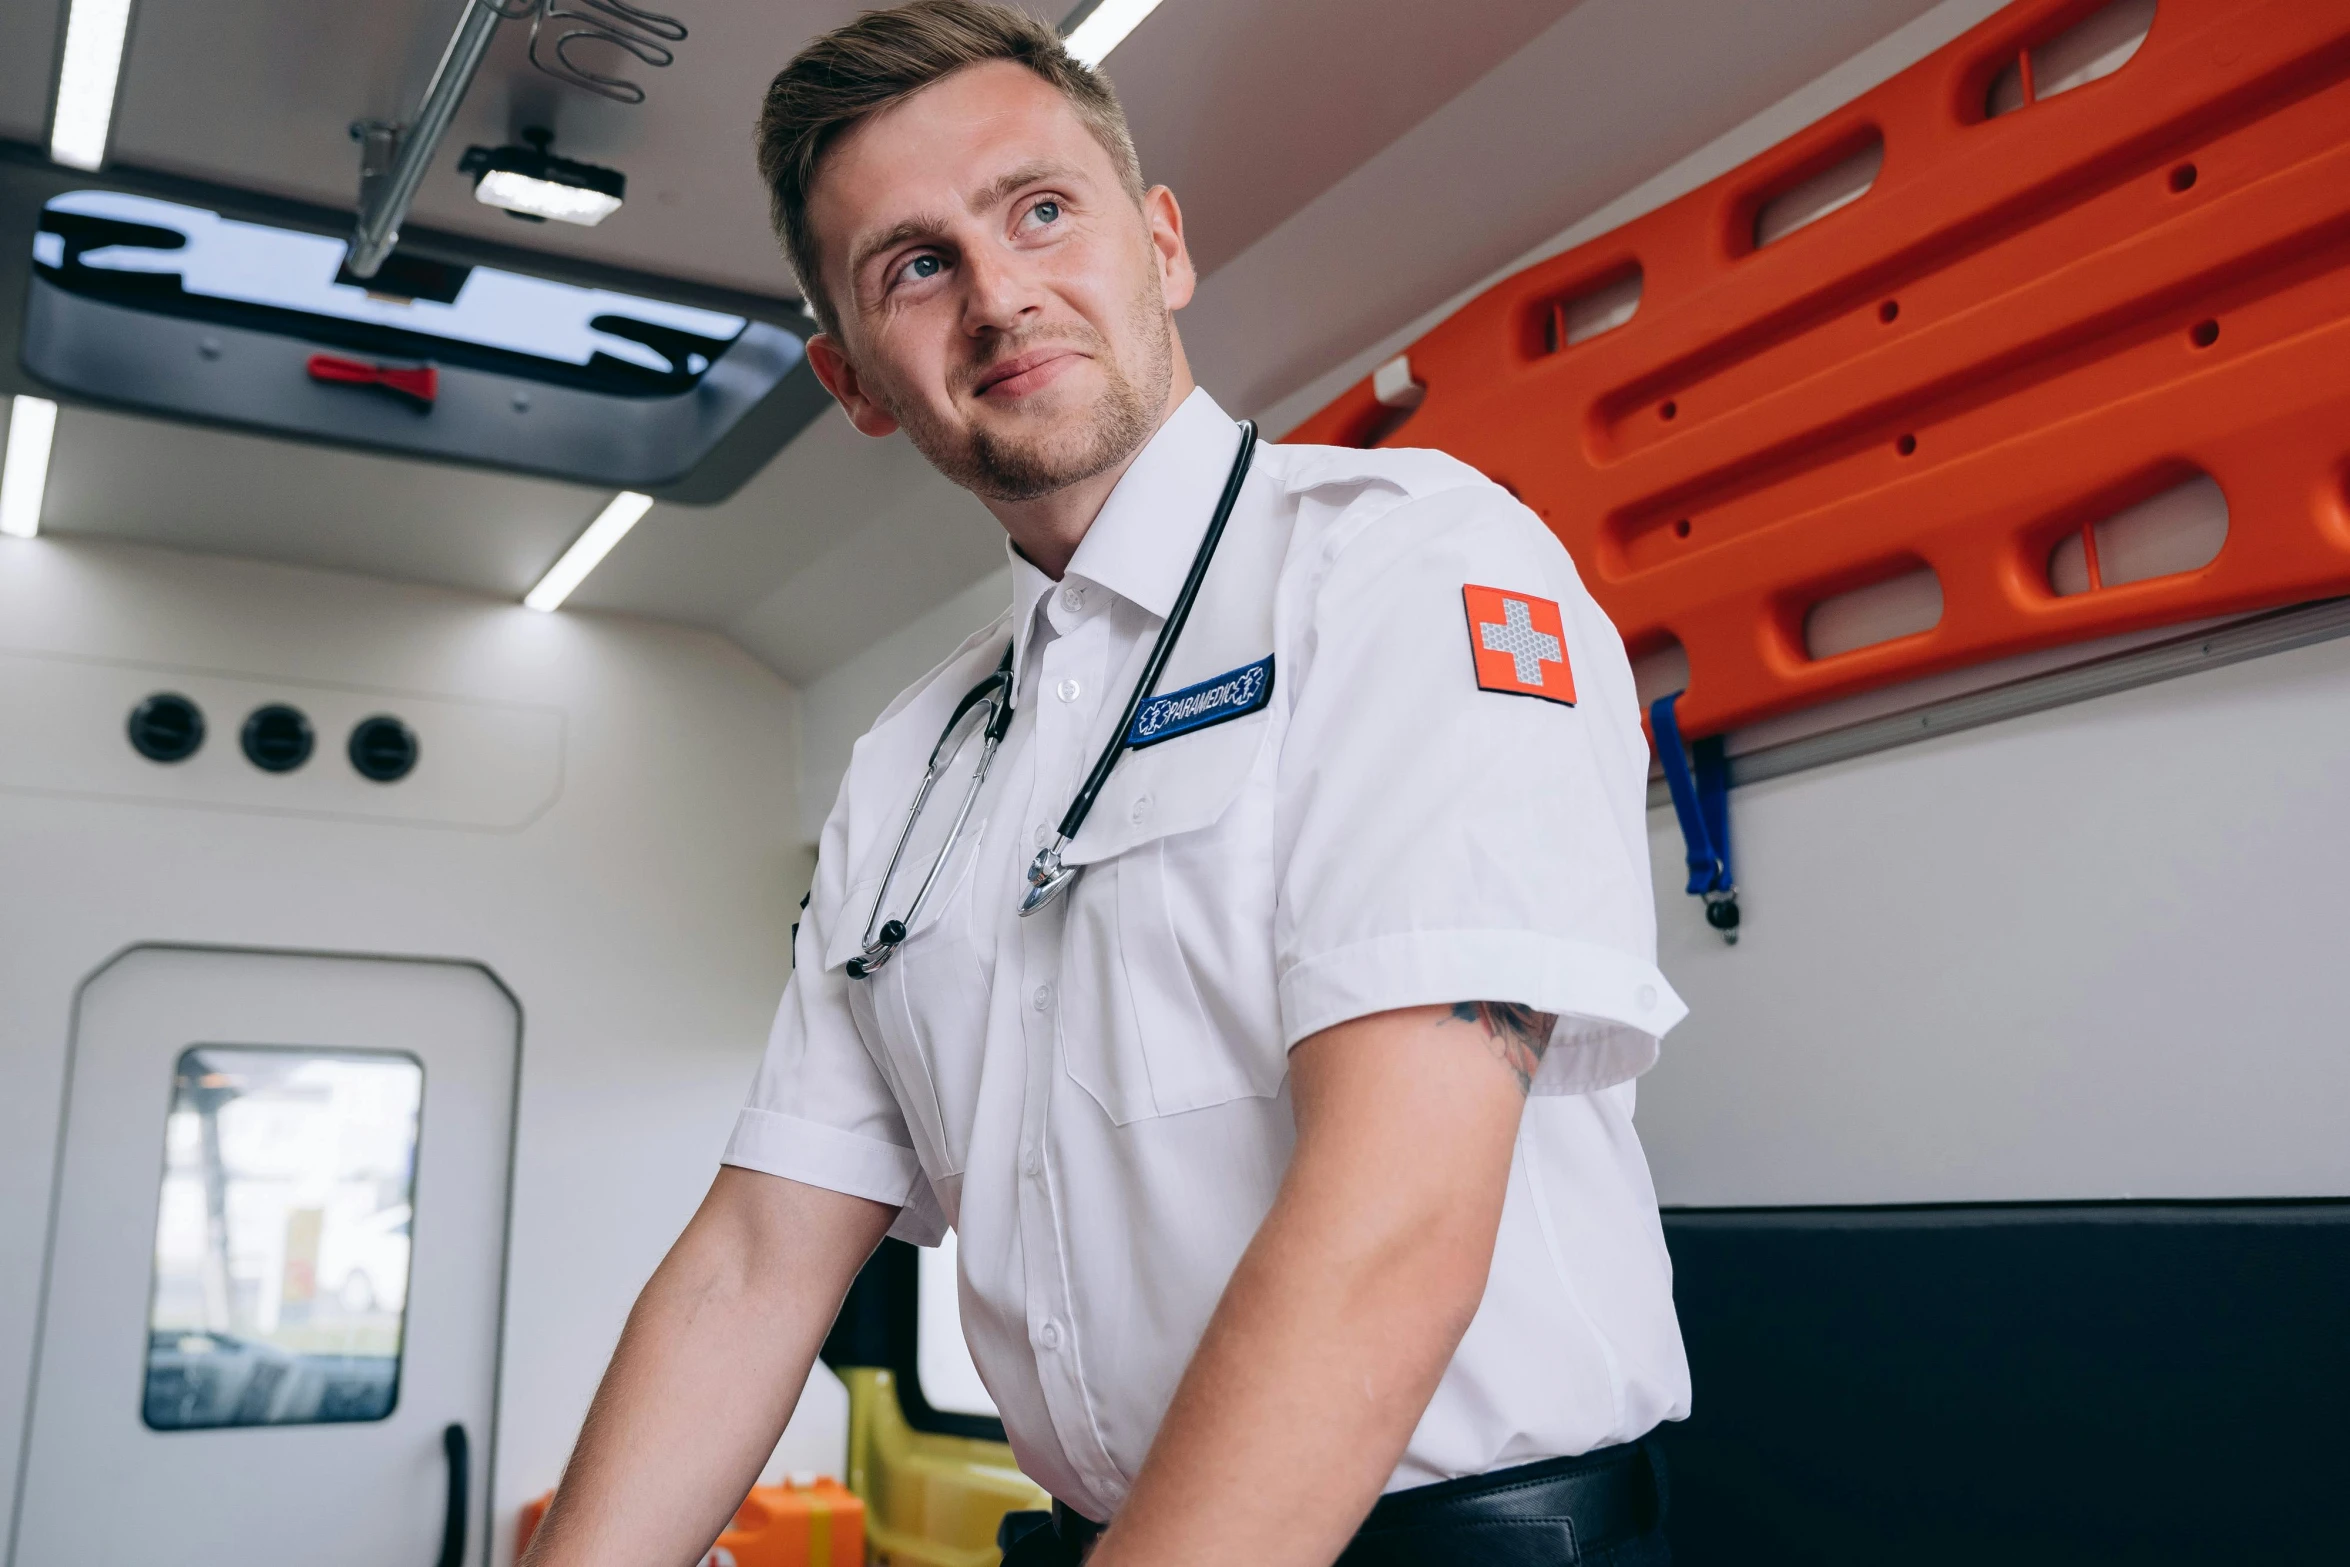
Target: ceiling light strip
column 86, row 80
column 24, row 473
column 1093, row 31
column 589, row 549
column 539, row 198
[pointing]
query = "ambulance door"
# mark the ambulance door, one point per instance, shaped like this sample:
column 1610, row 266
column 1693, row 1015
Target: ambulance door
column 270, row 1324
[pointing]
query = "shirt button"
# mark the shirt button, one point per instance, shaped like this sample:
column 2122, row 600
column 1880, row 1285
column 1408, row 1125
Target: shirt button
column 1043, row 997
column 1051, row 1335
column 1068, row 690
column 1031, row 1164
column 1142, row 808
column 1073, row 598
column 1647, row 997
column 1044, row 834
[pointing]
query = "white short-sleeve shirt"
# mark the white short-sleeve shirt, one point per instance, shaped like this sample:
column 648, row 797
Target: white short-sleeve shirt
column 1095, row 1098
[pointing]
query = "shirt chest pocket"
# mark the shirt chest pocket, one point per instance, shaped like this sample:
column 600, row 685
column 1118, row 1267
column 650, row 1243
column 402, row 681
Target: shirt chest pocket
column 927, row 1004
column 1169, row 1003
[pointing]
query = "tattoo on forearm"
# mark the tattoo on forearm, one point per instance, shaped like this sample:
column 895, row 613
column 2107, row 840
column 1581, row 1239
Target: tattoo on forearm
column 1518, row 1035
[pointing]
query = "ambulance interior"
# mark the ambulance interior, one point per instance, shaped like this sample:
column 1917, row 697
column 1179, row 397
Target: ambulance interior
column 431, row 637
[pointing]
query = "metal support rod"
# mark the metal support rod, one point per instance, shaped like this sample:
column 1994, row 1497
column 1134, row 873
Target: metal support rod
column 383, row 202
column 2279, row 631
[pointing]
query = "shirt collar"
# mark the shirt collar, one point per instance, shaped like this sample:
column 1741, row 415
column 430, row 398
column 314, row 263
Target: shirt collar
column 1141, row 542
column 1029, row 587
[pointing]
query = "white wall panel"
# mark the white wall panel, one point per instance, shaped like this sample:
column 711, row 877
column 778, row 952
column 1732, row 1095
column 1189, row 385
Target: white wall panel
column 641, row 919
column 485, row 765
column 2095, row 953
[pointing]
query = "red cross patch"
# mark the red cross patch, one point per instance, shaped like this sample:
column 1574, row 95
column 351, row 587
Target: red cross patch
column 1519, row 644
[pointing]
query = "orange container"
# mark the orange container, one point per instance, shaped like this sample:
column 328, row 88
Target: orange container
column 2049, row 307
column 821, row 1524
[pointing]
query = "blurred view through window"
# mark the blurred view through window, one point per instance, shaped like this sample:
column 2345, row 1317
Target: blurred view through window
column 282, row 1241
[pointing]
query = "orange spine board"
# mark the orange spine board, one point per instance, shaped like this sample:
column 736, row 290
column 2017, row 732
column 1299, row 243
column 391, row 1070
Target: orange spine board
column 2027, row 323
column 821, row 1524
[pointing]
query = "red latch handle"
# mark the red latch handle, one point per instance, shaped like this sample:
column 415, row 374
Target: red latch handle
column 420, row 383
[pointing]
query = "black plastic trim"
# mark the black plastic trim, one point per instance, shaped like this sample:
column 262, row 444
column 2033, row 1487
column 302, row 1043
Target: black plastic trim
column 2024, row 1383
column 880, row 1324
column 28, row 180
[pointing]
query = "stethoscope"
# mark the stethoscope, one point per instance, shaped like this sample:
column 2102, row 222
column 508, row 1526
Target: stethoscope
column 990, row 704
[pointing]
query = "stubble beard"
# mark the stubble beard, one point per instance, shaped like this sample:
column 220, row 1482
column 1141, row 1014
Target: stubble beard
column 999, row 467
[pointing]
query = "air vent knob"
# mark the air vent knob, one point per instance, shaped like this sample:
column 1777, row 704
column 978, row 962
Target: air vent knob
column 277, row 738
column 167, row 727
column 383, row 748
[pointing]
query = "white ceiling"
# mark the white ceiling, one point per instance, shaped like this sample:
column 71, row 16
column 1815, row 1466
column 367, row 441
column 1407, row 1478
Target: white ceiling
column 1344, row 166
column 237, row 494
column 26, row 68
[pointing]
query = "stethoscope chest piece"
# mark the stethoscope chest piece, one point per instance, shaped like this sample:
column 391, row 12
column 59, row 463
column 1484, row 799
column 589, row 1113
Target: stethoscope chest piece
column 1048, row 878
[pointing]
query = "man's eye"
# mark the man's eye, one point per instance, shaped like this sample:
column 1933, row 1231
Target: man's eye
column 1046, row 212
column 920, row 269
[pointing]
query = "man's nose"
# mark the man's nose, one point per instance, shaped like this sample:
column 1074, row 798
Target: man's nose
column 998, row 292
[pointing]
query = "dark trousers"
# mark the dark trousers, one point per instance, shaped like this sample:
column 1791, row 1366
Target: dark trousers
column 1602, row 1509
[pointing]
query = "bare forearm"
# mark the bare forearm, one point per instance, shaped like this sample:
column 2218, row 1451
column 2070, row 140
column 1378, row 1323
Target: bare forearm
column 1295, row 1407
column 1343, row 1314
column 709, row 1366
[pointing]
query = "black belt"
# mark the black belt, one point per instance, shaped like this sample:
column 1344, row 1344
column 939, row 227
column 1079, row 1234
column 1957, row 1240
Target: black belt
column 1547, row 1514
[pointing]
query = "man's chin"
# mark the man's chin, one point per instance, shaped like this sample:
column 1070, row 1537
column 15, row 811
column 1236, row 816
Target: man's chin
column 1034, row 450
column 1086, row 420
column 1029, row 464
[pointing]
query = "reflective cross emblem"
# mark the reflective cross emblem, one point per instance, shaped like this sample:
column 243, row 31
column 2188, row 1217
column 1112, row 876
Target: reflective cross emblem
column 1528, row 648
column 1519, row 644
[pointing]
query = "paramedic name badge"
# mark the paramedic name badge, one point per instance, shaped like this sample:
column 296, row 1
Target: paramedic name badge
column 1519, row 644
column 1233, row 694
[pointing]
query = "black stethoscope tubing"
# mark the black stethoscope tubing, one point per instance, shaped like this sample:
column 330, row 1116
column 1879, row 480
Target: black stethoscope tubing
column 1046, row 875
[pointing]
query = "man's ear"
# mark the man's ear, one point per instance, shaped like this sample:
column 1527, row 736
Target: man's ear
column 1165, row 221
column 839, row 377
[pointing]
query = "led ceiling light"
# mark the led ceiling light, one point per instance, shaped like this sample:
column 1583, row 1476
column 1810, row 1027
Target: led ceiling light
column 588, row 550
column 531, row 182
column 1093, row 31
column 32, row 422
column 86, row 78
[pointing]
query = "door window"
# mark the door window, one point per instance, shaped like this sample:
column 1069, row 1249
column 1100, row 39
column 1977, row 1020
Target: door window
column 282, row 1238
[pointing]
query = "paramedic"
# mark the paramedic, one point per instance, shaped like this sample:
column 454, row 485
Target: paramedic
column 1289, row 1148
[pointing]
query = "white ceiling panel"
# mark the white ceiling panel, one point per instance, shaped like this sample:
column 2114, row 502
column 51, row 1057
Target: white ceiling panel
column 261, row 93
column 1246, row 107
column 1247, row 110
column 234, row 494
column 27, row 66
column 710, row 563
column 1613, row 92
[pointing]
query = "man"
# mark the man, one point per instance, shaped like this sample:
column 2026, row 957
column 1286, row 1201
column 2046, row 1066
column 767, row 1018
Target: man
column 1289, row 1145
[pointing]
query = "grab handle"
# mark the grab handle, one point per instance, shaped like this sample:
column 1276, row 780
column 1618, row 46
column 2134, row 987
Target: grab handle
column 460, row 1453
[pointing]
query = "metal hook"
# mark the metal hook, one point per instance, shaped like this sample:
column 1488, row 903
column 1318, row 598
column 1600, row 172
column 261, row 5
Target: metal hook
column 645, row 34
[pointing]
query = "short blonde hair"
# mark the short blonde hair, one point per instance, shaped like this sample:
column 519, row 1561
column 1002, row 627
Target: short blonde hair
column 883, row 57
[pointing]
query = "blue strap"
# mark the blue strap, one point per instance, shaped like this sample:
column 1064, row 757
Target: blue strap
column 1701, row 799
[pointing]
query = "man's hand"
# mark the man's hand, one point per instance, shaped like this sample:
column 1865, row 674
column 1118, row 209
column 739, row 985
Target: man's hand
column 708, row 1370
column 1344, row 1312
